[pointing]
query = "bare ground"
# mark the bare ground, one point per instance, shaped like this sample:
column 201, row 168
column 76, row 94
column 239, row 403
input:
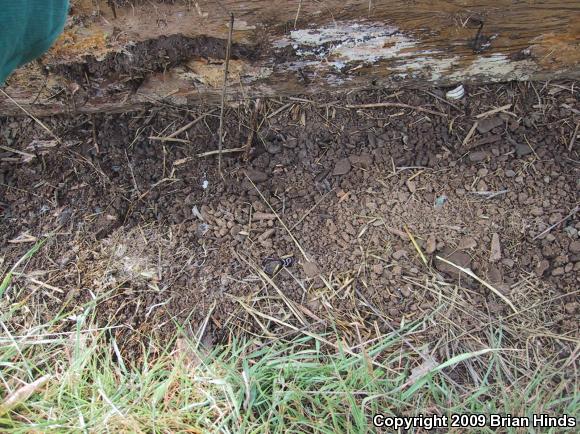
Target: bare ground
column 152, row 229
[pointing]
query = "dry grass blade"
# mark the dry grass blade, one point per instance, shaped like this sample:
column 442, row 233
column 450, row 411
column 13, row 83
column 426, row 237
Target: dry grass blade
column 191, row 124
column 417, row 247
column 314, row 336
column 494, row 111
column 265, row 278
column 168, row 139
column 21, row 395
column 483, row 282
column 470, row 133
column 280, row 220
column 573, row 212
column 395, row 104
column 573, row 139
column 220, row 152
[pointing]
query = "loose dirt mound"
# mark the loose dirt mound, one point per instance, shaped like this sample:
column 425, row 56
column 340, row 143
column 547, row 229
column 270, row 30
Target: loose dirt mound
column 152, row 227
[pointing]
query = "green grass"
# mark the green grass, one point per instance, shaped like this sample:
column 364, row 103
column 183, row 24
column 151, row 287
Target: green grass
column 69, row 374
column 285, row 386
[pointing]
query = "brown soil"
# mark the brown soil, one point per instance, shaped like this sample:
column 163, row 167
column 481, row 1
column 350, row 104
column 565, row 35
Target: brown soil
column 129, row 216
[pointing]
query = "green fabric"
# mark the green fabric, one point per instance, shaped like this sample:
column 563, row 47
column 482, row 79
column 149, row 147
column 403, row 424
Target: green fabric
column 27, row 29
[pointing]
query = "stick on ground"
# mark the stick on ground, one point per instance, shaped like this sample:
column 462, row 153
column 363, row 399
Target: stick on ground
column 224, row 89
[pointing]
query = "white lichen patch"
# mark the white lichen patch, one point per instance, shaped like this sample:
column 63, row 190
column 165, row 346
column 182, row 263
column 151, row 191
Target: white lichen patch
column 427, row 67
column 496, row 67
column 347, row 42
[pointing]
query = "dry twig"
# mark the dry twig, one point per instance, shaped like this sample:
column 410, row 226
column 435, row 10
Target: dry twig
column 224, row 89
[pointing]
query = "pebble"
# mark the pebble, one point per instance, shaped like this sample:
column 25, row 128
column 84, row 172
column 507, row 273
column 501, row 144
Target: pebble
column 477, row 156
column 342, row 167
column 508, row 262
column 482, row 185
column 399, row 254
column 495, row 255
column 536, row 211
column 574, row 247
column 510, row 173
column 378, row 269
column 406, row 291
column 256, row 175
column 364, row 160
column 431, row 245
column 273, row 148
column 310, row 268
column 290, row 143
column 266, row 234
column 555, row 218
column 458, row 258
column 542, row 266
column 467, row 243
column 523, row 149
column 486, row 125
column 558, row 271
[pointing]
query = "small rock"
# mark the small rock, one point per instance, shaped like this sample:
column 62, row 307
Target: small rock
column 267, row 234
column 273, row 148
column 555, row 218
column 542, row 267
column 456, row 257
column 311, row 270
column 467, row 243
column 558, row 271
column 411, row 186
column 342, row 167
column 510, row 173
column 440, row 201
column 364, row 160
column 536, row 211
column 431, row 245
column 570, row 308
column 477, row 156
column 495, row 255
column 574, row 247
column 290, row 143
column 256, row 175
column 64, row 216
column 523, row 149
column 508, row 262
column 482, row 185
column 399, row 254
column 494, row 275
column 486, row 125
column 378, row 269
column 406, row 291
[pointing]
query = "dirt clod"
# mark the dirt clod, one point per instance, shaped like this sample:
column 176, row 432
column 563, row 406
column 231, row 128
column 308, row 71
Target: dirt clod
column 342, row 167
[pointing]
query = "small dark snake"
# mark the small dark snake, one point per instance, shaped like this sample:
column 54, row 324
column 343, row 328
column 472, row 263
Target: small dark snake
column 272, row 265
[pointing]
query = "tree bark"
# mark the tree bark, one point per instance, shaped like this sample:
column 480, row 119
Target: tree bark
column 172, row 52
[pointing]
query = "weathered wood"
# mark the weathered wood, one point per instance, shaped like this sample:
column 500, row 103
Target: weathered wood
column 172, row 51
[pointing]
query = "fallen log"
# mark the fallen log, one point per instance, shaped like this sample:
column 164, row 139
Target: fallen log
column 144, row 53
